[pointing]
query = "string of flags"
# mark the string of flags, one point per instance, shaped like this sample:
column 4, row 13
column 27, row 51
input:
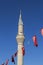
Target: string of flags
column 34, row 38
column 13, row 56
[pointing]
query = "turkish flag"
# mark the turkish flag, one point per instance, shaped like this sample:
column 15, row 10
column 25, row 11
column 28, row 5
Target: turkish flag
column 15, row 54
column 35, row 40
column 7, row 62
column 23, row 51
column 3, row 63
column 42, row 31
column 12, row 59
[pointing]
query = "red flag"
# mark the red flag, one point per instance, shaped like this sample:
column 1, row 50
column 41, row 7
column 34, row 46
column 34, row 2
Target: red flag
column 7, row 62
column 12, row 59
column 23, row 51
column 35, row 40
column 42, row 31
column 15, row 54
column 3, row 63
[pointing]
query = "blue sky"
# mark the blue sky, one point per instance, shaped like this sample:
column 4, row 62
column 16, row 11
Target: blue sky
column 32, row 16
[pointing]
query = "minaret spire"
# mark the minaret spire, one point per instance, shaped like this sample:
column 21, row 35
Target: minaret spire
column 20, row 13
column 20, row 19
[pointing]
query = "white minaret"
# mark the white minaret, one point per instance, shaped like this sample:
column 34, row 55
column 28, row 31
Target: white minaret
column 20, row 40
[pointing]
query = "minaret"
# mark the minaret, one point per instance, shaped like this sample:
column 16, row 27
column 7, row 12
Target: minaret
column 20, row 40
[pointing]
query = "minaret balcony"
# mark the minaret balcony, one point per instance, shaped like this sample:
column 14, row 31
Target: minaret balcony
column 20, row 39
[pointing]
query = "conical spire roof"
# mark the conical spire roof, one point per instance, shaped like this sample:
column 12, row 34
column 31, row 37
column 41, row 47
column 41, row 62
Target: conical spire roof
column 20, row 19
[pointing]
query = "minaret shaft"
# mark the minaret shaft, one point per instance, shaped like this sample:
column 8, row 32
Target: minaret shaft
column 20, row 41
column 20, row 55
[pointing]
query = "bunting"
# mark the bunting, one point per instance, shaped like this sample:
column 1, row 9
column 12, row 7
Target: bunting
column 3, row 64
column 41, row 31
column 7, row 62
column 23, row 51
column 35, row 40
column 12, row 59
column 15, row 54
